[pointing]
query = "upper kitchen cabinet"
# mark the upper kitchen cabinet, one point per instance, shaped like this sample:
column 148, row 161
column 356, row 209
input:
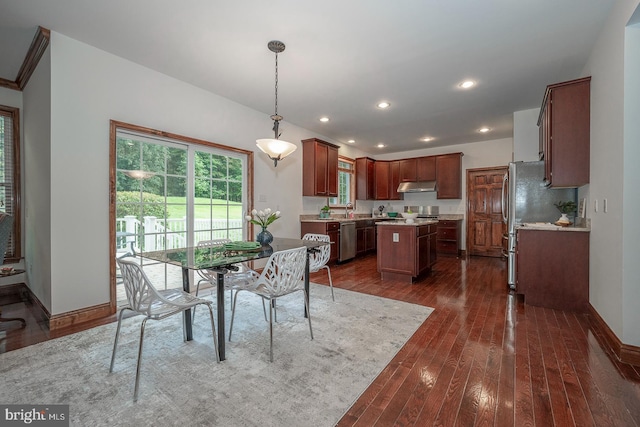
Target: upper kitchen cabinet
column 387, row 179
column 394, row 176
column 383, row 180
column 365, row 178
column 564, row 133
column 319, row 168
column 418, row 169
column 449, row 176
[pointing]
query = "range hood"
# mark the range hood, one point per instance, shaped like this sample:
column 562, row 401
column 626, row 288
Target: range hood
column 417, row 187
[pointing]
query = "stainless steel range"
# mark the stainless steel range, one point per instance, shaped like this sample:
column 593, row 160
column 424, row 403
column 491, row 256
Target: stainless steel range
column 426, row 212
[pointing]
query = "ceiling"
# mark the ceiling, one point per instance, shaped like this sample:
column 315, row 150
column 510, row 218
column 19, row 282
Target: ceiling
column 341, row 57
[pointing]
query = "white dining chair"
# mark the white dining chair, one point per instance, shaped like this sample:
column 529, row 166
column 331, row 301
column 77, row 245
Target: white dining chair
column 231, row 279
column 283, row 275
column 143, row 298
column 318, row 259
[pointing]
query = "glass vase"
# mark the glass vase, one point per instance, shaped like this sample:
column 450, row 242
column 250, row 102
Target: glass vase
column 264, row 237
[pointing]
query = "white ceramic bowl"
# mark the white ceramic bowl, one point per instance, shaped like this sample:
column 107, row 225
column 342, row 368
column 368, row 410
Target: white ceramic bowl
column 413, row 215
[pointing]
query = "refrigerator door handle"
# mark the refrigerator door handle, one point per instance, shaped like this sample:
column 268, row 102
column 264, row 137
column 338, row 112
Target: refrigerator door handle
column 505, row 199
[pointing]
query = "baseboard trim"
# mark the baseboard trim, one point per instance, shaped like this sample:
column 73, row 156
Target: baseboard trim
column 82, row 315
column 63, row 320
column 624, row 352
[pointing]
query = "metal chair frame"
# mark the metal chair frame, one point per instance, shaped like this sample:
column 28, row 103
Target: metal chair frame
column 145, row 299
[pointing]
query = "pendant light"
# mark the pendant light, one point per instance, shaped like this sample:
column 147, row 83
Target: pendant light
column 275, row 148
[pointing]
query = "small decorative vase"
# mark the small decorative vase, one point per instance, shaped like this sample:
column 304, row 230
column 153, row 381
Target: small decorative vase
column 564, row 220
column 264, row 237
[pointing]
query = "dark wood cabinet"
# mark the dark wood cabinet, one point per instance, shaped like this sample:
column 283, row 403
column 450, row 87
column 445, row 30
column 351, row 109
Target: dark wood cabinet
column 394, row 180
column 553, row 268
column 387, row 179
column 406, row 252
column 449, row 176
column 564, row 127
column 408, row 170
column 426, row 168
column 365, row 178
column 383, row 180
column 331, row 228
column 365, row 236
column 418, row 169
column 319, row 168
column 449, row 236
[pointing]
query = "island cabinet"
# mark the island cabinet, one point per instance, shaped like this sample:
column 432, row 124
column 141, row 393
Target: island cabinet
column 449, row 236
column 365, row 236
column 331, row 228
column 418, row 169
column 319, row 168
column 406, row 251
column 564, row 125
column 449, row 176
column 365, row 178
column 552, row 268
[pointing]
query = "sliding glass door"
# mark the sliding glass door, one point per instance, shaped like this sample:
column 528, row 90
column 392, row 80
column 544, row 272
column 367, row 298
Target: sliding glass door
column 171, row 193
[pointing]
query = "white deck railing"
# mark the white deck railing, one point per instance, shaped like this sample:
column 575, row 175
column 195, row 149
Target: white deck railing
column 153, row 234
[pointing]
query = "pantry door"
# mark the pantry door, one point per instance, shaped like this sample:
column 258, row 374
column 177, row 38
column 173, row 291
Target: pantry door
column 485, row 228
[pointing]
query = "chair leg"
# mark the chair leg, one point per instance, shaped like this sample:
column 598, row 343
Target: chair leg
column 213, row 331
column 115, row 343
column 306, row 303
column 330, row 281
column 135, row 391
column 233, row 313
column 271, row 310
column 193, row 310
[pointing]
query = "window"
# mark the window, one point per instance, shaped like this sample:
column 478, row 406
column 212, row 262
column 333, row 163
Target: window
column 346, row 183
column 172, row 192
column 9, row 176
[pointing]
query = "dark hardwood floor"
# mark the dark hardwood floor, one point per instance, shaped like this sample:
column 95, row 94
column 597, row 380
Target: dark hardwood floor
column 482, row 358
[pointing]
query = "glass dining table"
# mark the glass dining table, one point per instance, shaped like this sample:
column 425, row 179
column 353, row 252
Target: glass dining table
column 195, row 258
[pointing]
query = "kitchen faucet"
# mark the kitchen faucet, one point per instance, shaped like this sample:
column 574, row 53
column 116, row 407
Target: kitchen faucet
column 346, row 209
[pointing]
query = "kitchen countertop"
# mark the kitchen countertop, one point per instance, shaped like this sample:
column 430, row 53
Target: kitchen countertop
column 314, row 218
column 547, row 226
column 415, row 223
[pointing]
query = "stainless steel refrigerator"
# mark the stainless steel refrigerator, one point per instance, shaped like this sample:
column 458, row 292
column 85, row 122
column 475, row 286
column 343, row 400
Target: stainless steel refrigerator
column 525, row 198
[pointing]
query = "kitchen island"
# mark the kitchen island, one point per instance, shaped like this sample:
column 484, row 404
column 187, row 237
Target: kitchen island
column 406, row 250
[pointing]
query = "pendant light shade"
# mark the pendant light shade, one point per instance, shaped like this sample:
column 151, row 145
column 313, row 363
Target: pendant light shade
column 276, row 148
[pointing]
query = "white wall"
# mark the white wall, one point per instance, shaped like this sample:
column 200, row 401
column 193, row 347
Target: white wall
column 88, row 88
column 610, row 176
column 526, row 135
column 37, row 183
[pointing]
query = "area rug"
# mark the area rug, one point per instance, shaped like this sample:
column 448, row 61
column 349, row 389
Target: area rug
column 309, row 383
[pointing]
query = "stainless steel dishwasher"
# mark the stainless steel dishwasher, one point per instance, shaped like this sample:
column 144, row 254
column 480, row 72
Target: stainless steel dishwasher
column 347, row 241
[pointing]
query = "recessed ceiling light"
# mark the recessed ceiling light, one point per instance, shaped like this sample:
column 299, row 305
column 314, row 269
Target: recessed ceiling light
column 380, row 145
column 467, row 84
column 484, row 130
column 426, row 139
column 384, row 104
column 324, row 119
column 351, row 141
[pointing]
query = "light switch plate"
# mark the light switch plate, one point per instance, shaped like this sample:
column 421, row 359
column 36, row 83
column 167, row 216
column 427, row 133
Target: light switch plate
column 396, row 237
